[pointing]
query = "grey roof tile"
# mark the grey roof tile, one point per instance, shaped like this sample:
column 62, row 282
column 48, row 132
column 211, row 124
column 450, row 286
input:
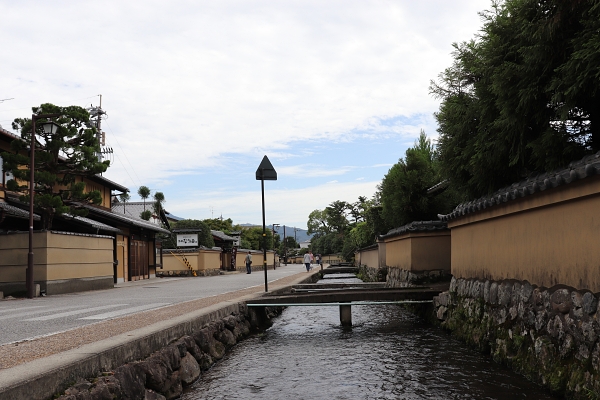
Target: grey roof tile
column 416, row 226
column 581, row 169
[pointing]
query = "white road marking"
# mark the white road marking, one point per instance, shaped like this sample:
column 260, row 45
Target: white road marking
column 130, row 310
column 4, row 310
column 69, row 313
column 27, row 314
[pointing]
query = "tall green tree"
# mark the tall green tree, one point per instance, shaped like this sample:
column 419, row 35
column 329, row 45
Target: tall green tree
column 523, row 96
column 220, row 224
column 289, row 244
column 124, row 197
column 317, row 222
column 144, row 193
column 252, row 238
column 60, row 158
column 158, row 204
column 403, row 190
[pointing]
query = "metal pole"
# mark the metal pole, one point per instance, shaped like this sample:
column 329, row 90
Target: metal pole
column 284, row 246
column 262, row 189
column 29, row 281
column 29, row 273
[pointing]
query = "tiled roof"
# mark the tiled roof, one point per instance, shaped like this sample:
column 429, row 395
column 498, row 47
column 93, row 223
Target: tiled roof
column 173, row 217
column 8, row 134
column 131, row 209
column 140, row 223
column 16, row 212
column 584, row 168
column 222, row 236
column 416, row 226
column 91, row 222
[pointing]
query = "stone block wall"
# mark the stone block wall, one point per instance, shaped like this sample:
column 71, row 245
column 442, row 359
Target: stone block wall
column 549, row 335
column 370, row 274
column 165, row 374
column 397, row 277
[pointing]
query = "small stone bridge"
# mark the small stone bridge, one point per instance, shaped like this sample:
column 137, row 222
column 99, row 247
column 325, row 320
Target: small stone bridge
column 345, row 295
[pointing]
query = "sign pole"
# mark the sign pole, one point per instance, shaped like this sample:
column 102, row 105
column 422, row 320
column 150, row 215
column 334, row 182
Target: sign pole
column 264, row 172
column 262, row 190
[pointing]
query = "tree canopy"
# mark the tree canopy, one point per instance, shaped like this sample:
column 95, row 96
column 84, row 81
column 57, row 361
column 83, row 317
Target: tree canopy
column 205, row 237
column 60, row 158
column 403, row 190
column 523, row 95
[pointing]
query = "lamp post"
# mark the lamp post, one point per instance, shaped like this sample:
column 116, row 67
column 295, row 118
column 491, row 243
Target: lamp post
column 273, row 238
column 264, row 172
column 49, row 128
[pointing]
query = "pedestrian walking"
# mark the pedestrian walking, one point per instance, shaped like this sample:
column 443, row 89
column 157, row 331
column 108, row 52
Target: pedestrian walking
column 248, row 263
column 307, row 261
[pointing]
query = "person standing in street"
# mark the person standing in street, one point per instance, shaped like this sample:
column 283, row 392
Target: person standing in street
column 248, row 263
column 307, row 261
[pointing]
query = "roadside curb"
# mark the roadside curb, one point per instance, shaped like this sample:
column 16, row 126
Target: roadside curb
column 40, row 379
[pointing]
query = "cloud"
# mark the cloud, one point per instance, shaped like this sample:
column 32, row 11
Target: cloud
column 286, row 206
column 312, row 171
column 198, row 89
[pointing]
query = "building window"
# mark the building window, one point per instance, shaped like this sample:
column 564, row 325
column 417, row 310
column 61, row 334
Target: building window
column 4, row 176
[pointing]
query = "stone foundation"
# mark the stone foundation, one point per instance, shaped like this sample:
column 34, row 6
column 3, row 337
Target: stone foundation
column 369, row 274
column 548, row 335
column 164, row 374
column 397, row 277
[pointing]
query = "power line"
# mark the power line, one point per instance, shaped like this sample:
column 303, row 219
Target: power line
column 124, row 154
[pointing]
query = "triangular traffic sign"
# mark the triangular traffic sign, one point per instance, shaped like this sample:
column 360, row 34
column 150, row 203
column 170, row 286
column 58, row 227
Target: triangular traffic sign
column 266, row 171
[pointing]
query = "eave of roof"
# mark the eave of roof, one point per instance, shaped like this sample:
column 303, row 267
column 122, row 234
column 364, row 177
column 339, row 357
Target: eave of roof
column 223, row 236
column 187, row 230
column 416, row 226
column 581, row 169
column 140, row 223
column 371, row 247
column 91, row 223
column 9, row 135
column 107, row 182
column 16, row 212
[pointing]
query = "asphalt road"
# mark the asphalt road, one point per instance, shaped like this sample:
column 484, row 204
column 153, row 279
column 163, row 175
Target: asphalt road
column 25, row 319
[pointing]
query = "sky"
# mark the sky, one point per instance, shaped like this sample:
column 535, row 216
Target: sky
column 198, row 92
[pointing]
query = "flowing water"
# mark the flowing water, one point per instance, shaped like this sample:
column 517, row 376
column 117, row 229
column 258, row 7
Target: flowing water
column 387, row 354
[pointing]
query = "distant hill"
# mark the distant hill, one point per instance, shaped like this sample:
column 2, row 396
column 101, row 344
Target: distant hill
column 301, row 234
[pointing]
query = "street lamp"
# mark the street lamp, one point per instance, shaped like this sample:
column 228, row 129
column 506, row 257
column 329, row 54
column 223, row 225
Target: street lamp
column 274, row 226
column 264, row 172
column 49, row 128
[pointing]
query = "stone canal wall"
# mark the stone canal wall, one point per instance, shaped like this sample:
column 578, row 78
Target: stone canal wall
column 165, row 373
column 397, row 277
column 549, row 335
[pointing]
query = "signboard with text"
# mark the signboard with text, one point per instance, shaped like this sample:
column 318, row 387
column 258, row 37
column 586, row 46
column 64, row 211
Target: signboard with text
column 190, row 240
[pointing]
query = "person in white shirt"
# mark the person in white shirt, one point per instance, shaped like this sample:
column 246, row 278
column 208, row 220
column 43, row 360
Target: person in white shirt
column 307, row 261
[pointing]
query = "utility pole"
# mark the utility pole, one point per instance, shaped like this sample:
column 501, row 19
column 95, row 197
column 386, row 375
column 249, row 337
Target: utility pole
column 284, row 247
column 274, row 228
column 295, row 230
column 98, row 113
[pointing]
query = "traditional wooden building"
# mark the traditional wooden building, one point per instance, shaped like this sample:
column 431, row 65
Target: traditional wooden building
column 132, row 253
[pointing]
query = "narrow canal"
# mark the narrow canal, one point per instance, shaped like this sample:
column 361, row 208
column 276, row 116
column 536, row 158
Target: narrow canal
column 387, row 354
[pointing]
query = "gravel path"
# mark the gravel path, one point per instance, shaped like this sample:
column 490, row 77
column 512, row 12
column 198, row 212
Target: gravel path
column 14, row 354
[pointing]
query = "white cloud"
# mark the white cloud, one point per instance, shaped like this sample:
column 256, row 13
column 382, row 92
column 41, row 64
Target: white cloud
column 290, row 206
column 190, row 86
column 312, row 171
